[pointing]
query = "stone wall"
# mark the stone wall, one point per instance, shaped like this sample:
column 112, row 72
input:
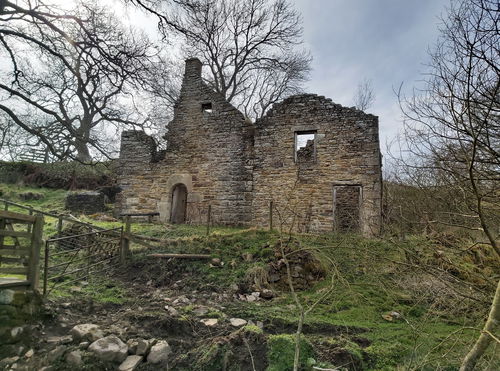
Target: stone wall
column 346, row 153
column 238, row 168
column 17, row 307
column 208, row 150
column 85, row 202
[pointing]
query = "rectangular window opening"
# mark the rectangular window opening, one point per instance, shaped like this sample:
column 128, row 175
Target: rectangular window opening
column 305, row 146
column 206, row 107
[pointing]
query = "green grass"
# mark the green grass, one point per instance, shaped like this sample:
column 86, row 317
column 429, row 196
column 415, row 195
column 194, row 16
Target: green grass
column 53, row 199
column 363, row 289
column 366, row 279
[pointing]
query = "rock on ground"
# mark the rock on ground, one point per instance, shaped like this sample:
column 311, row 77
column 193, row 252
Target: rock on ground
column 138, row 346
column 237, row 322
column 8, row 361
column 59, row 339
column 159, row 352
column 109, row 348
column 210, row 322
column 142, row 347
column 130, row 363
column 74, row 358
column 6, row 296
column 86, row 331
column 56, row 353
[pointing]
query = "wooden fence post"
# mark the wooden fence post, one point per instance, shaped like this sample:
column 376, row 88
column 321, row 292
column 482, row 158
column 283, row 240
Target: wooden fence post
column 125, row 240
column 59, row 226
column 209, row 216
column 2, row 226
column 271, row 215
column 36, row 245
column 45, row 268
column 31, row 213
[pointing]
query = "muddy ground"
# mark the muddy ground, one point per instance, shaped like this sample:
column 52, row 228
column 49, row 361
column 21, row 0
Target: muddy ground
column 164, row 302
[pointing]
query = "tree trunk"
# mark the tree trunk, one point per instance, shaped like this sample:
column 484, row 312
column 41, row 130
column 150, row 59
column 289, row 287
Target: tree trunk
column 298, row 334
column 82, row 151
column 485, row 338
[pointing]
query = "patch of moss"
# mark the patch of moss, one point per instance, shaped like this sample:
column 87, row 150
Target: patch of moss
column 252, row 329
column 281, row 352
column 210, row 357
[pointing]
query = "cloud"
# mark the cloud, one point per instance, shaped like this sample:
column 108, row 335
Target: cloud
column 384, row 40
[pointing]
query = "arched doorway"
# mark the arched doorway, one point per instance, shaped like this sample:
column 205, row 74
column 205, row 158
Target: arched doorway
column 179, row 201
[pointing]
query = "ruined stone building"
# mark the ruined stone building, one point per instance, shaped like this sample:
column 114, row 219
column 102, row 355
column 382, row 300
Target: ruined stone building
column 317, row 163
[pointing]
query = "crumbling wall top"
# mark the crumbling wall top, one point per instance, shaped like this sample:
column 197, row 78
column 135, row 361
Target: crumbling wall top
column 311, row 103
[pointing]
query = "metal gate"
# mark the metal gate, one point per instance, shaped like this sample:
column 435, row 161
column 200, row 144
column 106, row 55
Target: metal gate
column 77, row 257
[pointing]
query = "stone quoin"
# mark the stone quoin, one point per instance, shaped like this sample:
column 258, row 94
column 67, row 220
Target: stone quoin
column 317, row 161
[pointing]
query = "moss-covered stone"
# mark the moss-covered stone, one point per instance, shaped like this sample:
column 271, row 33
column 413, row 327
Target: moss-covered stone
column 252, row 329
column 23, row 306
column 6, row 296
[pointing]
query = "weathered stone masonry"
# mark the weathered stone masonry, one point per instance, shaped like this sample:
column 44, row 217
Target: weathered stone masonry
column 333, row 182
column 346, row 157
column 208, row 151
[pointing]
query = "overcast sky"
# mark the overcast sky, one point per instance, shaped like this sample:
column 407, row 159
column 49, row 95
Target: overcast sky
column 385, row 41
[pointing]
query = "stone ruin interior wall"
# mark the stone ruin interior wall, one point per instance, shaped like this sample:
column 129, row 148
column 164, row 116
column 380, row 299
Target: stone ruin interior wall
column 337, row 187
column 208, row 150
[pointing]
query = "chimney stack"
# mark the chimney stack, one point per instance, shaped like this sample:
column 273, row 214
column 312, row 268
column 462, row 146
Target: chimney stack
column 193, row 68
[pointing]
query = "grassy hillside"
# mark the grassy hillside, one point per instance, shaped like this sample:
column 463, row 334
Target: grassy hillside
column 377, row 304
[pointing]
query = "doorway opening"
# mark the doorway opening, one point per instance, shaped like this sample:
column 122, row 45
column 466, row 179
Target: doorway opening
column 179, row 202
column 347, row 208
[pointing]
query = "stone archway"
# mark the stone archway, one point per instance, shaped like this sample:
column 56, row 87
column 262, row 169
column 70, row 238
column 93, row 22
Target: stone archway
column 179, row 203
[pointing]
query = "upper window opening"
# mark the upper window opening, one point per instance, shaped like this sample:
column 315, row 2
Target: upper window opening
column 206, row 107
column 305, row 146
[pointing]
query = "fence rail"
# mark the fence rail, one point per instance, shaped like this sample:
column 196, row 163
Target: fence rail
column 32, row 211
column 17, row 259
column 128, row 235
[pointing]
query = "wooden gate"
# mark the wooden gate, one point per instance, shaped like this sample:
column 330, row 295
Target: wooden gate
column 20, row 243
column 78, row 257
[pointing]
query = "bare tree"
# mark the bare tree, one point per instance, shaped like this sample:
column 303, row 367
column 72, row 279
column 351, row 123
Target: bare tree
column 40, row 24
column 364, row 96
column 452, row 128
column 18, row 145
column 74, row 90
column 251, row 47
column 162, row 86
